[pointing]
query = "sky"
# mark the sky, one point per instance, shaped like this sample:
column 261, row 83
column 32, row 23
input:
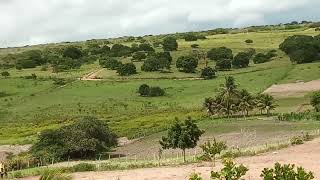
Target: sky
column 29, row 22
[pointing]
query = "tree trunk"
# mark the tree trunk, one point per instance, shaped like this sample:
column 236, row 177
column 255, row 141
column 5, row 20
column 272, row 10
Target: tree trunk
column 184, row 155
column 214, row 161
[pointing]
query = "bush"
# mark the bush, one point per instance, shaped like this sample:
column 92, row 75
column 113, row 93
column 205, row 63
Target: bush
column 208, row 73
column 110, row 63
column 83, row 167
column 223, row 64
column 127, row 69
column 315, row 101
column 260, row 58
column 317, row 29
column 156, row 91
column 155, row 62
column 296, row 140
column 241, row 60
column 220, row 53
column 119, row 50
column 249, row 41
column 170, row 44
column 190, row 37
column 5, row 74
column 144, row 90
column 230, row 171
column 187, row 64
column 138, row 56
column 72, row 52
column 53, row 175
column 286, row 172
column 195, row 176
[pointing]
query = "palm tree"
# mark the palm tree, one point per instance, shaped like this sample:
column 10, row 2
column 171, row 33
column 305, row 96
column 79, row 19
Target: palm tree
column 266, row 102
column 228, row 94
column 246, row 102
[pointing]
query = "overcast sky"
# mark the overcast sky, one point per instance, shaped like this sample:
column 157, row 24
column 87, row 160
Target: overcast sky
column 25, row 22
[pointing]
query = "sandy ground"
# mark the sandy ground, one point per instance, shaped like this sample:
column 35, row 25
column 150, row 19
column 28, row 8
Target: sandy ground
column 306, row 155
column 294, row 89
column 93, row 76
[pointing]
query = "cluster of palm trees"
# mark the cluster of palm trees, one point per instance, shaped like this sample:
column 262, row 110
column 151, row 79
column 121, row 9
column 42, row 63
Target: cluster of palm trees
column 233, row 101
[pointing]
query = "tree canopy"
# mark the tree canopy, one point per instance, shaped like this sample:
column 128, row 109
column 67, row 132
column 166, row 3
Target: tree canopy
column 220, row 53
column 170, row 44
column 187, row 64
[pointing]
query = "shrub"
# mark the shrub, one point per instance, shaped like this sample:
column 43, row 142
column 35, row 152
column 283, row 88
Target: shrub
column 220, row 53
column 110, row 63
column 223, row 64
column 208, row 73
column 212, row 149
column 249, row 41
column 187, row 64
column 195, row 176
column 156, row 91
column 317, row 29
column 260, row 58
column 155, row 62
column 82, row 167
column 170, row 44
column 296, row 140
column 119, row 50
column 144, row 90
column 190, row 37
column 315, row 101
column 241, row 60
column 72, row 52
column 286, row 172
column 138, row 56
column 127, row 69
column 5, row 74
column 230, row 171
column 59, row 82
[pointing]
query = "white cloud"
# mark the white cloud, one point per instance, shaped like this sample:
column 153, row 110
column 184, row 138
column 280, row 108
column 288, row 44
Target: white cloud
column 41, row 21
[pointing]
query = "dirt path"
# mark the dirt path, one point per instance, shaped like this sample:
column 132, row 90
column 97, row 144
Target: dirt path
column 93, row 76
column 293, row 89
column 306, row 155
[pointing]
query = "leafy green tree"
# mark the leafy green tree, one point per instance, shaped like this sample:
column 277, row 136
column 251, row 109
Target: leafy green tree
column 145, row 47
column 84, row 139
column 5, row 74
column 170, row 44
column 266, row 102
column 144, row 90
column 190, row 37
column 182, row 135
column 120, row 50
column 212, row 149
column 261, row 58
column 307, row 55
column 286, row 172
column 249, row 41
column 187, row 64
column 72, row 52
column 220, row 53
column 155, row 62
column 315, row 101
column 30, row 59
column 138, row 56
column 110, row 63
column 223, row 64
column 208, row 73
column 156, row 91
column 241, row 60
column 127, row 69
column 230, row 171
column 251, row 52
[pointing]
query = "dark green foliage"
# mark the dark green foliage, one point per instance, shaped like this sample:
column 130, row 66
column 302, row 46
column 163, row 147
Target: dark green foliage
column 145, row 47
column 147, row 91
column 241, row 60
column 157, row 61
column 223, row 64
column 32, row 76
column 5, row 74
column 220, row 53
column 261, row 58
column 265, row 102
column 249, row 41
column 315, row 101
column 182, row 135
column 208, row 73
column 271, row 54
column 29, row 59
column 170, row 44
column 144, row 90
column 110, row 63
column 83, row 167
column 195, row 176
column 194, row 46
column 138, row 56
column 127, row 69
column 72, row 52
column 3, row 94
column 296, row 140
column 190, row 37
column 119, row 50
column 84, row 139
column 251, row 51
column 187, row 64
column 301, row 48
column 317, row 29
column 59, row 82
column 286, row 172
column 230, row 171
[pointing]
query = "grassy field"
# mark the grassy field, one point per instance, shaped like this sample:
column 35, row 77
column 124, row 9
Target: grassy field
column 34, row 105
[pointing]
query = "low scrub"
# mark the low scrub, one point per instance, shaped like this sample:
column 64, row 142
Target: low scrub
column 83, row 167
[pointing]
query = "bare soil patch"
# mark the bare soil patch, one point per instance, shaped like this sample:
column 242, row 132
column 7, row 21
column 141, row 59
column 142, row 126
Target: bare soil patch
column 293, row 89
column 15, row 149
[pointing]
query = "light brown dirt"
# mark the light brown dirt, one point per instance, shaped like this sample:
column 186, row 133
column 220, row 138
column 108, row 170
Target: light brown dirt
column 93, row 76
column 15, row 149
column 306, row 155
column 293, row 89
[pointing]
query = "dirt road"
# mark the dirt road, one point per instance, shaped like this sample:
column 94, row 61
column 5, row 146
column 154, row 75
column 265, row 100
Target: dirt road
column 293, row 89
column 306, row 155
